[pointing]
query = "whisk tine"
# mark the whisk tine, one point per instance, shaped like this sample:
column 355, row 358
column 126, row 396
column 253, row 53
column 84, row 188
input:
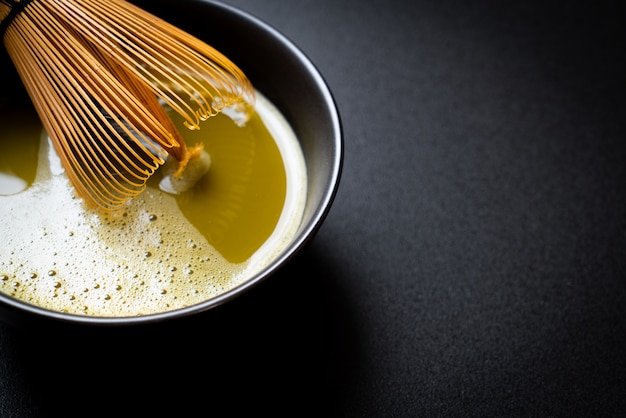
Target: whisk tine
column 99, row 73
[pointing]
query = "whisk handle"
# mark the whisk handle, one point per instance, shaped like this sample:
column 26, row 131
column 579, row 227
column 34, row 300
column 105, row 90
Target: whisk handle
column 16, row 8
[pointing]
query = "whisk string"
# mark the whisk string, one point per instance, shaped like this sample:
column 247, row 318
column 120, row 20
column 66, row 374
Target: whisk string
column 13, row 8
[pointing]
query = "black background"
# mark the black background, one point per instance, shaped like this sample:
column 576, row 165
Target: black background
column 474, row 260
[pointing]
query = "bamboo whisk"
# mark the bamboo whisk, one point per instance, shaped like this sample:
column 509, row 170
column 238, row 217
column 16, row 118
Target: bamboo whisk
column 98, row 72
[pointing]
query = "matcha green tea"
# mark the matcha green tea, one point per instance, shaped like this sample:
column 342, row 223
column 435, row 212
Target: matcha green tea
column 164, row 251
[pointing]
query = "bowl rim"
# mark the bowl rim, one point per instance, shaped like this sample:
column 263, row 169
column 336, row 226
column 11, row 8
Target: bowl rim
column 303, row 236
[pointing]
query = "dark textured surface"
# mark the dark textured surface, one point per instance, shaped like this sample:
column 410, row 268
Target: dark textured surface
column 474, row 261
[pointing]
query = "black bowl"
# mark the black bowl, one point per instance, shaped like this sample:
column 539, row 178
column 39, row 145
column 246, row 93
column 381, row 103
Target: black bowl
column 279, row 70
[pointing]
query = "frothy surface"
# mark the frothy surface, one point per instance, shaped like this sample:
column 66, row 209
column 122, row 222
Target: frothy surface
column 58, row 255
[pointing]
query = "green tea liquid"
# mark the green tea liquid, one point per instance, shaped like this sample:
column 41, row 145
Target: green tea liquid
column 166, row 251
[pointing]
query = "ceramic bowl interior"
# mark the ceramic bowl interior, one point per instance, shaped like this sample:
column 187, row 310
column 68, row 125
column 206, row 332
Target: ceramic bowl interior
column 282, row 72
